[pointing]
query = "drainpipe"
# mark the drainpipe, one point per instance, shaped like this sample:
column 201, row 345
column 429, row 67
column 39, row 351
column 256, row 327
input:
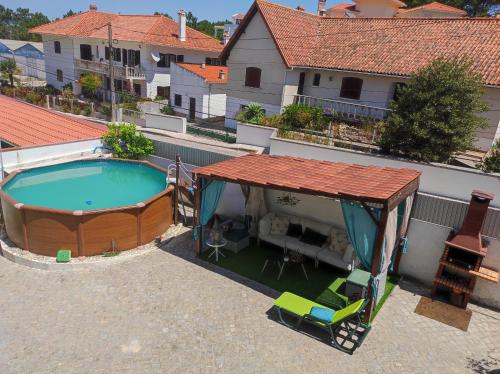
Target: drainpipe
column 209, row 97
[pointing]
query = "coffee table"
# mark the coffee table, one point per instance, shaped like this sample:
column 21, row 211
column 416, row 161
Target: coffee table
column 292, row 258
column 216, row 246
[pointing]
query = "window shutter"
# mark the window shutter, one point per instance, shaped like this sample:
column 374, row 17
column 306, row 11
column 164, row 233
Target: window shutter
column 106, row 53
column 252, row 77
column 137, row 58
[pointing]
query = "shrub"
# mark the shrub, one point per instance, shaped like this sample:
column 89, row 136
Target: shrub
column 436, row 113
column 90, row 83
column 87, row 111
column 491, row 163
column 167, row 110
column 126, row 142
column 34, row 98
column 272, row 121
column 159, row 98
column 253, row 113
column 106, row 110
column 301, row 116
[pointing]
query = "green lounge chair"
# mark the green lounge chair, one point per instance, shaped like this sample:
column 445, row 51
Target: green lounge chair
column 346, row 325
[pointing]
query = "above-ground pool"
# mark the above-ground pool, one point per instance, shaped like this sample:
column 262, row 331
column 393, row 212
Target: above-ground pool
column 88, row 206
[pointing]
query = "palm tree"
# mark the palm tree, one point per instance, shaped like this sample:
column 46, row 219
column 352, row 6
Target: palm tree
column 8, row 68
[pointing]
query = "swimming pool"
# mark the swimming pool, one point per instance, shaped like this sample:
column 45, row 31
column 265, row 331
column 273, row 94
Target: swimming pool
column 87, row 206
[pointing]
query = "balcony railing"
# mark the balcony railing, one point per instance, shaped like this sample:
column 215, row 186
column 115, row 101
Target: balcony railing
column 102, row 67
column 343, row 109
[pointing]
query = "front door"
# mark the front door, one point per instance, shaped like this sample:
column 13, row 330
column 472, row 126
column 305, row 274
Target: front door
column 192, row 108
column 302, row 78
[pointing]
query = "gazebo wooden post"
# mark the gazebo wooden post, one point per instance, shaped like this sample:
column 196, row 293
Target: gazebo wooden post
column 176, row 192
column 400, row 253
column 376, row 259
column 197, row 210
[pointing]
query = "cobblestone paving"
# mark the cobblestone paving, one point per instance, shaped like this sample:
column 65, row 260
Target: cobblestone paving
column 167, row 312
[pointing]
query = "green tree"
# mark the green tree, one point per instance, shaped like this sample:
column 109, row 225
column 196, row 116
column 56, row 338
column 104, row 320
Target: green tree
column 15, row 24
column 491, row 163
column 473, row 8
column 126, row 142
column 436, row 114
column 69, row 13
column 91, row 83
column 8, row 69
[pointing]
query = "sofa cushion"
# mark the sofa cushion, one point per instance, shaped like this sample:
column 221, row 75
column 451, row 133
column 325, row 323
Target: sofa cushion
column 313, row 237
column 322, row 228
column 338, row 241
column 334, row 259
column 294, row 230
column 279, row 225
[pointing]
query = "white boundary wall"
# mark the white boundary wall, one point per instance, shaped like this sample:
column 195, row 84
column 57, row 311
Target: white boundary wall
column 440, row 180
column 164, row 122
column 254, row 134
column 18, row 157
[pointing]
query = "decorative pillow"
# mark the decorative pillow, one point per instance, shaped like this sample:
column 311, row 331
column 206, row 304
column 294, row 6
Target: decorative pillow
column 313, row 238
column 323, row 314
column 294, row 230
column 279, row 225
column 338, row 241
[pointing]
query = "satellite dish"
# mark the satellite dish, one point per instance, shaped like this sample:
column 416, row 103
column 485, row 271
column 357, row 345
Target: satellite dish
column 155, row 56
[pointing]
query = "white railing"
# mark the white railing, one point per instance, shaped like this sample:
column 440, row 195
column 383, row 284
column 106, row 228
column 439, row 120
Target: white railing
column 134, row 73
column 102, row 67
column 343, row 109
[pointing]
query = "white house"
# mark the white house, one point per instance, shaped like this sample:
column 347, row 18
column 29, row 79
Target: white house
column 29, row 56
column 198, row 90
column 143, row 48
column 392, row 8
column 281, row 55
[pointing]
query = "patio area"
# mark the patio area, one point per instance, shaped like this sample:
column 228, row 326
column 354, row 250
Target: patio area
column 169, row 311
column 249, row 263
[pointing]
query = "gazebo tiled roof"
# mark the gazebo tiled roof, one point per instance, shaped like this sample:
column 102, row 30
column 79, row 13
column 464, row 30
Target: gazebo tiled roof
column 331, row 179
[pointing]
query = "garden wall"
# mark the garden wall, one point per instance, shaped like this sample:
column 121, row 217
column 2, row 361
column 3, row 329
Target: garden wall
column 254, row 134
column 164, row 122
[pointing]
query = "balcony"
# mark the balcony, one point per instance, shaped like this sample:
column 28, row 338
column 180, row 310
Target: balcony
column 102, row 67
column 344, row 110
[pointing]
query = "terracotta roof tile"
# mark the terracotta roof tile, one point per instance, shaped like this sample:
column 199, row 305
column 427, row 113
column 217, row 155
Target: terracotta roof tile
column 392, row 46
column 210, row 73
column 25, row 125
column 313, row 176
column 436, row 6
column 156, row 30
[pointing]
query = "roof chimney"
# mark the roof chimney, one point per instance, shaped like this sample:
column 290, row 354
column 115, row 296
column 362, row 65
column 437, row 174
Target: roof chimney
column 225, row 38
column 321, row 8
column 222, row 75
column 182, row 25
column 301, row 8
column 92, row 7
column 203, row 66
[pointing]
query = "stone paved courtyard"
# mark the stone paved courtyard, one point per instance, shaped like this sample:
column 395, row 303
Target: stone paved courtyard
column 165, row 311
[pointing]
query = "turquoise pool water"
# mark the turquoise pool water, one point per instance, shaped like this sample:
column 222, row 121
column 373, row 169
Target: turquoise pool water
column 87, row 185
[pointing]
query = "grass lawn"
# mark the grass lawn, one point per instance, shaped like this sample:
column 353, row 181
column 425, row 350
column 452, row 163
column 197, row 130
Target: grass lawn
column 249, row 263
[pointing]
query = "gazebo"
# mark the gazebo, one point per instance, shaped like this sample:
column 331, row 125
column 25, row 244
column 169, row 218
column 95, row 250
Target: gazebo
column 376, row 201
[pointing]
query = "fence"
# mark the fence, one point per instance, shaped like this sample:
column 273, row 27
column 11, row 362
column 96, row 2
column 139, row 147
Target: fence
column 193, row 156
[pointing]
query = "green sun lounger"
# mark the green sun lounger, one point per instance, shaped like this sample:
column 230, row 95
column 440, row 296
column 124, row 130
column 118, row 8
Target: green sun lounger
column 346, row 329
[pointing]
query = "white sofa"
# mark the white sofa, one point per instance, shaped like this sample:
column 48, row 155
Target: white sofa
column 326, row 253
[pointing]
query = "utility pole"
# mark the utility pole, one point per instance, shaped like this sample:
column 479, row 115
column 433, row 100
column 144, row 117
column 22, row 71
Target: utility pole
column 111, row 73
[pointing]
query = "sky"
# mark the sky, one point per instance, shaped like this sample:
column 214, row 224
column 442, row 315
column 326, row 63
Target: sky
column 203, row 9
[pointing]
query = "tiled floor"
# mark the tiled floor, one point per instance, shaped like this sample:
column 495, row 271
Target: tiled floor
column 168, row 312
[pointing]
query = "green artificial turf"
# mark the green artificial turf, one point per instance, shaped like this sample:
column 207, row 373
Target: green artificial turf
column 249, row 263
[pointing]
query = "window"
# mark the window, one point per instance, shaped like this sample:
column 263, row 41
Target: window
column 107, row 83
column 163, row 92
column 316, row 80
column 97, row 52
column 86, row 52
column 59, row 74
column 252, row 77
column 57, row 47
column 398, row 87
column 165, row 60
column 212, row 61
column 180, row 58
column 117, row 54
column 118, row 85
column 178, row 101
column 351, row 88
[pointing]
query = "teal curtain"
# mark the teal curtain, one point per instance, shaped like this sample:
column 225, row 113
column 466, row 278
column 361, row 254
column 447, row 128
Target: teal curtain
column 361, row 229
column 211, row 193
